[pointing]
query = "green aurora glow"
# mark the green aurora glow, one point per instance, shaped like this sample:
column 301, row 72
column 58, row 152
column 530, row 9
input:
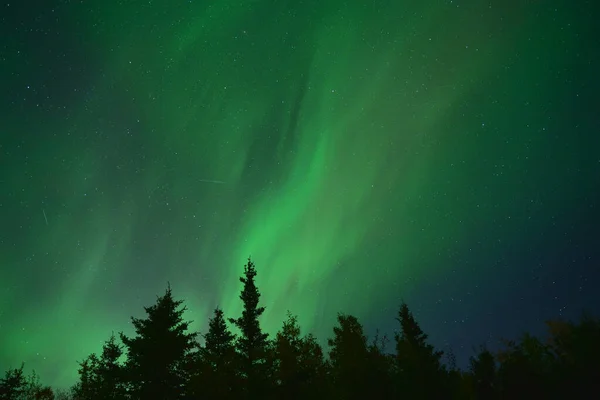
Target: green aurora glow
column 353, row 148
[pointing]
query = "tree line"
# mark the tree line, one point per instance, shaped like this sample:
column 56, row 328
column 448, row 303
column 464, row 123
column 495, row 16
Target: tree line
column 165, row 361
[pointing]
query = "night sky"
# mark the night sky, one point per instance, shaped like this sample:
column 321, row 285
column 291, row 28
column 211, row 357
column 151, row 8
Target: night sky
column 444, row 153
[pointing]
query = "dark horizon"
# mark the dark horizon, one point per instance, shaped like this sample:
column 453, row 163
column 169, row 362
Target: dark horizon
column 165, row 360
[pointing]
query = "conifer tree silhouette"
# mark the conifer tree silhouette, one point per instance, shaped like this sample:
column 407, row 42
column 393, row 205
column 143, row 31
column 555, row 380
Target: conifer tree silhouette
column 161, row 362
column 14, row 384
column 300, row 365
column 87, row 388
column 287, row 351
column 216, row 376
column 314, row 368
column 349, row 357
column 111, row 371
column 418, row 366
column 158, row 357
column 485, row 376
column 380, row 368
column 102, row 377
column 252, row 344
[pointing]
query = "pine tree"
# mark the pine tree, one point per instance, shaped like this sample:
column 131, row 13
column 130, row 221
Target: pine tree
column 252, row 345
column 102, row 377
column 216, row 376
column 484, row 373
column 313, row 368
column 349, row 356
column 287, row 353
column 159, row 355
column 14, row 384
column 87, row 386
column 111, row 371
column 300, row 368
column 418, row 366
column 380, row 368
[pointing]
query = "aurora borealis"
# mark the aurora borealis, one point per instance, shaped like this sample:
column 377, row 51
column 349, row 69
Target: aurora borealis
column 362, row 152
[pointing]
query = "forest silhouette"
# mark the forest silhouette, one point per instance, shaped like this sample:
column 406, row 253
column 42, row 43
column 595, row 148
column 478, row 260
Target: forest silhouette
column 165, row 361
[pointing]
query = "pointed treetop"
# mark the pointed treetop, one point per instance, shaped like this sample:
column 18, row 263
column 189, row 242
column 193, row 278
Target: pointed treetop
column 253, row 341
column 410, row 329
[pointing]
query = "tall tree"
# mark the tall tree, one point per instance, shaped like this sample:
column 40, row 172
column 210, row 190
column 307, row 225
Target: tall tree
column 159, row 354
column 252, row 345
column 87, row 386
column 314, row 368
column 102, row 377
column 380, row 368
column 14, row 384
column 216, row 376
column 300, row 366
column 111, row 371
column 418, row 367
column 349, row 357
column 287, row 354
column 484, row 373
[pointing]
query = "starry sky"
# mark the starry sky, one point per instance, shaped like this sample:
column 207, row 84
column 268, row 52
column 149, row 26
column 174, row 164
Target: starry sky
column 441, row 152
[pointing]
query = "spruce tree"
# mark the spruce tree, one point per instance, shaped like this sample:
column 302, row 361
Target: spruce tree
column 349, row 356
column 380, row 368
column 159, row 354
column 14, row 384
column 300, row 368
column 111, row 371
column 313, row 368
column 418, row 366
column 102, row 377
column 87, row 386
column 216, row 376
column 484, row 374
column 287, row 353
column 252, row 345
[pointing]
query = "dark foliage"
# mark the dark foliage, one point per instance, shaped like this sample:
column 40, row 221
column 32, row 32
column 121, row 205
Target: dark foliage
column 102, row 377
column 485, row 375
column 16, row 386
column 164, row 361
column 158, row 356
column 215, row 373
column 300, row 367
column 349, row 357
column 419, row 372
column 13, row 385
column 252, row 345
